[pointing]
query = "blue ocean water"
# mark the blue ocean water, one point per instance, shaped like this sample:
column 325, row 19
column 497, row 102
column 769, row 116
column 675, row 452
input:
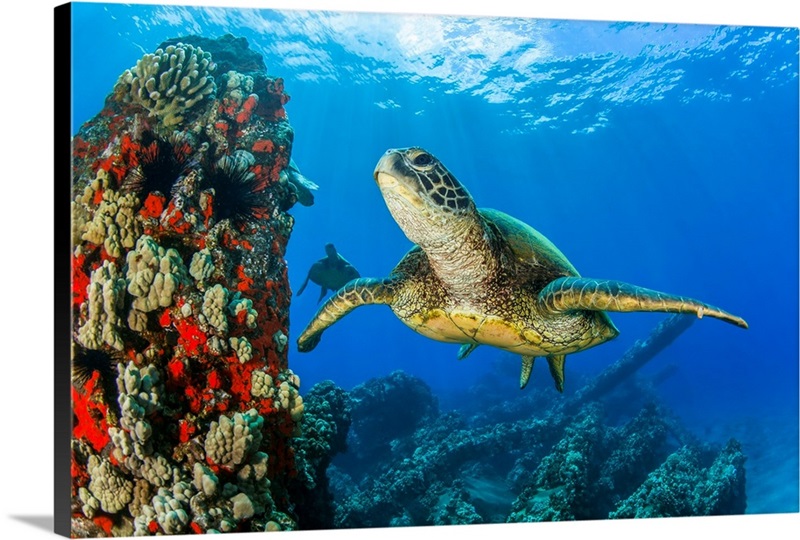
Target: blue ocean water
column 660, row 155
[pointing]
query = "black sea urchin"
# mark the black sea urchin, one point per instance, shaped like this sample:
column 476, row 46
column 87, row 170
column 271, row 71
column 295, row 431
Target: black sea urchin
column 161, row 163
column 86, row 362
column 238, row 192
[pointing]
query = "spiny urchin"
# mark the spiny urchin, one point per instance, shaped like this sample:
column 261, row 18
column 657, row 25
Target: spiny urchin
column 161, row 163
column 85, row 362
column 238, row 192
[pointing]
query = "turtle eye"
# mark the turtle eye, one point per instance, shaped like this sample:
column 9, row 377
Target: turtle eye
column 423, row 159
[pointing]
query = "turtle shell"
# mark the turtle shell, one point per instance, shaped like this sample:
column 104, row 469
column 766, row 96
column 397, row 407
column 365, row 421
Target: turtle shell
column 530, row 248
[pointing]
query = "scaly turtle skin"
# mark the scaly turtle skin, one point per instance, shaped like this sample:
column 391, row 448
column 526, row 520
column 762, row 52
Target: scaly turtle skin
column 330, row 272
column 479, row 276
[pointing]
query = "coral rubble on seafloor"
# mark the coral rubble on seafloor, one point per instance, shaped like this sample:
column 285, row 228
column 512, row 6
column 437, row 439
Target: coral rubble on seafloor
column 451, row 470
column 184, row 406
column 581, row 458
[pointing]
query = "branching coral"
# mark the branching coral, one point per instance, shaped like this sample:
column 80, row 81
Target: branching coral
column 157, row 470
column 289, row 398
column 108, row 486
column 140, row 395
column 243, row 349
column 242, row 309
column 113, row 224
column 167, row 509
column 205, row 480
column 202, row 266
column 154, row 274
column 230, row 442
column 261, row 384
column 106, row 295
column 213, row 311
column 170, row 82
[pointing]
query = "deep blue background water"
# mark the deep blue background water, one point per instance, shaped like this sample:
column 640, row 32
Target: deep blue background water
column 661, row 155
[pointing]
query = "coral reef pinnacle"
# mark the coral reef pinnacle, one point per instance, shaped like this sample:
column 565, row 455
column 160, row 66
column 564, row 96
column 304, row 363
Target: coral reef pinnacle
column 189, row 428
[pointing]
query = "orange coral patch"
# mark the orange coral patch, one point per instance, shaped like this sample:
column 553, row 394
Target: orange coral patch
column 175, row 369
column 193, row 399
column 90, row 415
column 264, row 145
column 104, row 522
column 153, row 205
column 191, row 337
column 185, row 430
column 80, row 281
column 214, row 380
column 241, row 379
column 245, row 281
column 248, row 107
column 98, row 197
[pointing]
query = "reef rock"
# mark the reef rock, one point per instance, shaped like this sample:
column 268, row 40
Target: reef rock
column 387, row 409
column 179, row 287
column 451, row 469
column 685, row 486
column 326, row 422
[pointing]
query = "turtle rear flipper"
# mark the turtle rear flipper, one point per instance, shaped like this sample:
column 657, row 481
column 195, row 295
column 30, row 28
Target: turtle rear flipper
column 554, row 362
column 525, row 374
column 556, row 365
column 359, row 292
column 465, row 350
column 571, row 293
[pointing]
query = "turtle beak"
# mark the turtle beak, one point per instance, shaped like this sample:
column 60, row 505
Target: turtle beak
column 386, row 164
column 394, row 187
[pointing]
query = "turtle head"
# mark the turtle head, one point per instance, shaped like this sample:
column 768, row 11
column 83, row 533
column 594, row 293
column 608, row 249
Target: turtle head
column 422, row 195
column 330, row 251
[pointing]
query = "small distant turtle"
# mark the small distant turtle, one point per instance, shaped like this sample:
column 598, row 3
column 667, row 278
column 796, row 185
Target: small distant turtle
column 479, row 276
column 330, row 272
column 302, row 187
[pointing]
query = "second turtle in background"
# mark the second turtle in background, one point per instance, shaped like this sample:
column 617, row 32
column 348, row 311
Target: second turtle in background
column 330, row 272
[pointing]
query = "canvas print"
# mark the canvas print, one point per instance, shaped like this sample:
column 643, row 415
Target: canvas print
column 337, row 270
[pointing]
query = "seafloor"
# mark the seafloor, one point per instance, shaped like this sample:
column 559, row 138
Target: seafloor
column 187, row 417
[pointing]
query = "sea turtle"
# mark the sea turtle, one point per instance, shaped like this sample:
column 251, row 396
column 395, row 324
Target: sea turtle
column 330, row 272
column 479, row 276
column 302, row 187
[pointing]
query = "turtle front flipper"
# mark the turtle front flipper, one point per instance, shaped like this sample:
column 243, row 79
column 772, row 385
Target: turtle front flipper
column 359, row 292
column 303, row 286
column 571, row 293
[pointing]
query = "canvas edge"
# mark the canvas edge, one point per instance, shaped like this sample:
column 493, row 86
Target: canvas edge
column 62, row 28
